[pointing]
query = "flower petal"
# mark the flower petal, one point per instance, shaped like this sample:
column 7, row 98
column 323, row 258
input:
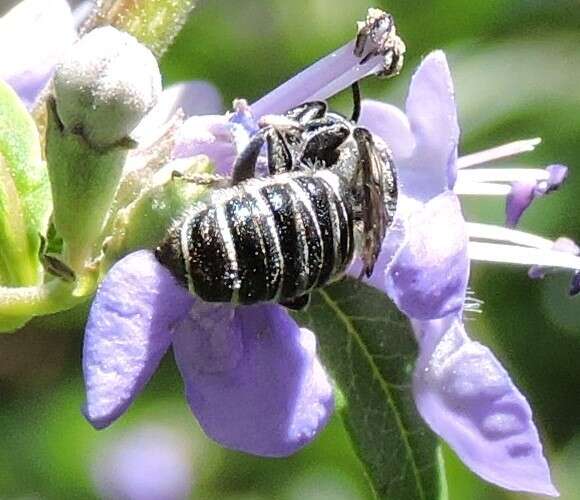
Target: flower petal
column 427, row 277
column 40, row 31
column 128, row 332
column 391, row 125
column 193, row 98
column 211, row 135
column 518, row 200
column 467, row 397
column 524, row 192
column 252, row 377
column 433, row 117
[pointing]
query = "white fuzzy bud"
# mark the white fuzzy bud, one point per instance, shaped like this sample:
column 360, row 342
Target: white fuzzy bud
column 105, row 85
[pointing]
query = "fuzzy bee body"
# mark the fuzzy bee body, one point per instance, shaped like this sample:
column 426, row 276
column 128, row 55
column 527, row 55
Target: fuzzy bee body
column 330, row 193
column 266, row 239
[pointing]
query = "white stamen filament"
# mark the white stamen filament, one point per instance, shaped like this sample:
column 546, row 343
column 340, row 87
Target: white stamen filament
column 507, row 235
column 503, row 175
column 525, row 256
column 481, row 188
column 505, row 151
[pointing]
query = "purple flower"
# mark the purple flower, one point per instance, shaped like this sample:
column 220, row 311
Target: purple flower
column 41, row 31
column 460, row 388
column 252, row 376
column 220, row 137
column 149, row 462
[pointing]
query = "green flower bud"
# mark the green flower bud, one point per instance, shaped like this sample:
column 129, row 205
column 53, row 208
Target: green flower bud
column 107, row 82
column 105, row 86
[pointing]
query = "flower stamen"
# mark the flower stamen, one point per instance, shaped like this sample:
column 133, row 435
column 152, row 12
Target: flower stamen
column 503, row 174
column 481, row 188
column 505, row 151
column 510, row 246
column 526, row 256
column 505, row 235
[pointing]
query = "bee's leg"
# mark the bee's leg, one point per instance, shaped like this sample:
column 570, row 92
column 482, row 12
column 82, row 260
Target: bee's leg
column 245, row 164
column 324, row 139
column 279, row 156
column 356, row 102
column 297, row 303
column 212, row 180
column 374, row 188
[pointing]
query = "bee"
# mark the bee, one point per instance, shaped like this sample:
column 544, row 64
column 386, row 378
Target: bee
column 330, row 193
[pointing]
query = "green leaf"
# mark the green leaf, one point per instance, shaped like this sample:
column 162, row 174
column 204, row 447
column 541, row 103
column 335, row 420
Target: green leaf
column 369, row 349
column 24, row 193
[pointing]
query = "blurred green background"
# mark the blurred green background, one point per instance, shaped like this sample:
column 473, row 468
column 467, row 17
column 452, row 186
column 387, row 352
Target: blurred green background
column 516, row 65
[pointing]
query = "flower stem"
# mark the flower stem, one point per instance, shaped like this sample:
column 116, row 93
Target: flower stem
column 49, row 298
column 36, row 300
column 155, row 23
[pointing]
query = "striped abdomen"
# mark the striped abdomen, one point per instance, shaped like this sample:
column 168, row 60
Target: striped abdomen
column 270, row 239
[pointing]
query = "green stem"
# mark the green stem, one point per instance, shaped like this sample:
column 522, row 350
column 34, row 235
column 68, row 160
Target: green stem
column 44, row 299
column 76, row 254
column 36, row 300
column 155, row 23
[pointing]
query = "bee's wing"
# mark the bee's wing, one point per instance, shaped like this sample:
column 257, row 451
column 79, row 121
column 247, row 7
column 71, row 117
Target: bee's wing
column 376, row 176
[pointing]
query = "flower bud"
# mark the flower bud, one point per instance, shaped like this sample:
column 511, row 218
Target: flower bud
column 103, row 89
column 106, row 84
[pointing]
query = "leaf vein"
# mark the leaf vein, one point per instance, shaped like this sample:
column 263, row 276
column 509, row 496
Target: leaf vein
column 384, row 385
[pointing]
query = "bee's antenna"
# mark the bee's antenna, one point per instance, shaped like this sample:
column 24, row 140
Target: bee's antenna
column 355, row 102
